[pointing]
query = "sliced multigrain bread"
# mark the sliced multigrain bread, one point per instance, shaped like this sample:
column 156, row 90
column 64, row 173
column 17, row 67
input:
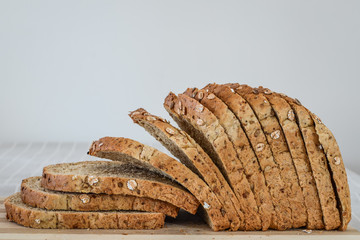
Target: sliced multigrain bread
column 27, row 216
column 318, row 161
column 337, row 168
column 182, row 146
column 244, row 151
column 276, row 140
column 270, row 168
column 128, row 150
column 34, row 195
column 299, row 156
column 116, row 178
column 204, row 127
column 315, row 132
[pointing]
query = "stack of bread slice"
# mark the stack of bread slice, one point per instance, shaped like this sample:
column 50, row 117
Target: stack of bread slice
column 246, row 159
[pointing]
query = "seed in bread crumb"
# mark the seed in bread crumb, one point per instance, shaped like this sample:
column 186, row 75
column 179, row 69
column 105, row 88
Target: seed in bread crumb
column 206, row 205
column 134, row 113
column 92, row 180
column 317, row 118
column 132, row 185
column 267, row 91
column 199, row 108
column 320, row 147
column 199, row 122
column 74, row 177
column 255, row 91
column 211, row 96
column 169, row 130
column 275, row 134
column 260, row 147
column 265, row 101
column 232, row 90
column 308, row 231
column 337, row 160
column 37, row 221
column 84, row 198
column 291, row 115
column 151, row 118
column 100, row 144
column 200, row 95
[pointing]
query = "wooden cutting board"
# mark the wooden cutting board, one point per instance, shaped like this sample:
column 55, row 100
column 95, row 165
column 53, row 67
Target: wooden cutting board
column 185, row 226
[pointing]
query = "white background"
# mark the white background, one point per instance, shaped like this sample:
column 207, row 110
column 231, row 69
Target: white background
column 71, row 70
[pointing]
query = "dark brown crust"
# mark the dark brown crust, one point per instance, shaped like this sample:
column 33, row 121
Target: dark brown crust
column 253, row 130
column 301, row 161
column 220, row 143
column 41, row 198
column 200, row 161
column 118, row 185
column 168, row 166
column 276, row 140
column 243, row 149
column 38, row 218
column 318, row 163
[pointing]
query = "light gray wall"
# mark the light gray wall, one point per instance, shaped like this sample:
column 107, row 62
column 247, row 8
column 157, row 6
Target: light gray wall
column 71, row 70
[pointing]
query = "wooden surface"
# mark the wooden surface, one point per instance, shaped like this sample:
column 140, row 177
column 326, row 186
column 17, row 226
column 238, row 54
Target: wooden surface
column 185, row 226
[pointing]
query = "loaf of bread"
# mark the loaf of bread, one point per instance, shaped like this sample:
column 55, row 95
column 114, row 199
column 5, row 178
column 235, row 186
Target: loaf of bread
column 248, row 159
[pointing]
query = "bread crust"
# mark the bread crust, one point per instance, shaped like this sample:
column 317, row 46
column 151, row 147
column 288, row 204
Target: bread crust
column 197, row 159
column 35, row 196
column 276, row 140
column 159, row 188
column 28, row 216
column 258, row 141
column 206, row 123
column 168, row 166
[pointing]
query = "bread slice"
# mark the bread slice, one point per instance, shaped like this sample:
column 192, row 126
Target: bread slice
column 243, row 149
column 206, row 130
column 337, row 168
column 298, row 153
column 257, row 138
column 323, row 146
column 318, row 162
column 182, row 146
column 133, row 152
column 27, row 216
column 116, row 178
column 34, row 195
column 276, row 140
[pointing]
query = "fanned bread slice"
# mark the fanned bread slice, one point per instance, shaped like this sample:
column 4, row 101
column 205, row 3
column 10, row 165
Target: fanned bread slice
column 206, row 130
column 182, row 146
column 133, row 152
column 276, row 140
column 244, row 151
column 257, row 138
column 337, row 168
column 318, row 162
column 299, row 156
column 34, row 195
column 27, row 216
column 116, row 178
column 325, row 155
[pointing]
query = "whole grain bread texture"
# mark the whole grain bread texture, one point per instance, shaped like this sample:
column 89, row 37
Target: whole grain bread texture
column 136, row 153
column 207, row 131
column 318, row 161
column 276, row 140
column 116, row 178
column 243, row 149
column 182, row 146
column 298, row 153
column 32, row 194
column 257, row 138
column 17, row 211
